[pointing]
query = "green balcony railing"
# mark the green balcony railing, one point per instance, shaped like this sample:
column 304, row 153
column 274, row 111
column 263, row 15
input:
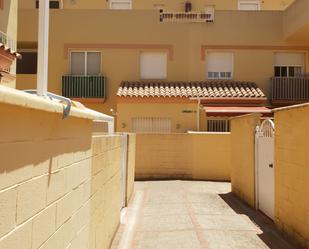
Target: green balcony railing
column 80, row 86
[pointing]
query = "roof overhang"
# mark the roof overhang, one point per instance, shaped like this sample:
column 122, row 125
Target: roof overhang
column 9, row 51
column 231, row 100
column 227, row 111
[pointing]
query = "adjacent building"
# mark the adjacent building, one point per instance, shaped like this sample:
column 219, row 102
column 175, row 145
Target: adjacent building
column 8, row 42
column 172, row 66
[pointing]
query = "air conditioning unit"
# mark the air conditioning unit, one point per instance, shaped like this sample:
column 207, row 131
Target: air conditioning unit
column 54, row 4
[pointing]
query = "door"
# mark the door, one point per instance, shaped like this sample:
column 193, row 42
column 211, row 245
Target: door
column 265, row 176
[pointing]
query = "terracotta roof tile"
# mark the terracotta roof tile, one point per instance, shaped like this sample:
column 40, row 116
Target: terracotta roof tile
column 9, row 50
column 202, row 89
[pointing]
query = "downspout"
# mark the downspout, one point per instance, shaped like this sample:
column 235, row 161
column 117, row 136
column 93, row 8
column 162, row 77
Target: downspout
column 42, row 76
column 198, row 114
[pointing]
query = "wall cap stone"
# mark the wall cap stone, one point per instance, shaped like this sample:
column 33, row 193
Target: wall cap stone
column 290, row 107
column 19, row 98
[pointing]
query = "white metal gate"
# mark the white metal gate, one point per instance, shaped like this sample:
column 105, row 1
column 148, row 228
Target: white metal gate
column 265, row 177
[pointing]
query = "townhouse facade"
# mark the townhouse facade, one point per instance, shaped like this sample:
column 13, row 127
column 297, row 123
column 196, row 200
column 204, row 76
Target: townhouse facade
column 174, row 5
column 172, row 66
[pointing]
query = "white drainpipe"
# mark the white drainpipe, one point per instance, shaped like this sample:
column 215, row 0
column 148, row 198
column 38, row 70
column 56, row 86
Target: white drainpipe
column 198, row 114
column 42, row 76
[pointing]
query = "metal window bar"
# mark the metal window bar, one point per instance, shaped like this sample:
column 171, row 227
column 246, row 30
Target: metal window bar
column 290, row 88
column 218, row 125
column 187, row 17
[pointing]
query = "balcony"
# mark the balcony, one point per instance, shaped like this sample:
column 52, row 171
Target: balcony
column 189, row 17
column 7, row 41
column 290, row 89
column 83, row 87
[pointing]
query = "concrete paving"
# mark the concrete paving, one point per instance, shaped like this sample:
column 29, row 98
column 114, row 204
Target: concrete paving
column 193, row 215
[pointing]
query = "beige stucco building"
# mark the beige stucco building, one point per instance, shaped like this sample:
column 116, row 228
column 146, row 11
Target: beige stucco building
column 95, row 47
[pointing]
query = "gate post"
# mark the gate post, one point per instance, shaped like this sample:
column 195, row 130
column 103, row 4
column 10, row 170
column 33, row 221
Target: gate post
column 124, row 170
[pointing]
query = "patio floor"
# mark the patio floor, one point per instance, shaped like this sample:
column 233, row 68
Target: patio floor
column 193, row 215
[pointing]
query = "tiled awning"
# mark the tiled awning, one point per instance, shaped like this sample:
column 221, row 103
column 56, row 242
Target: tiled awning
column 9, row 50
column 203, row 89
column 235, row 111
column 242, row 109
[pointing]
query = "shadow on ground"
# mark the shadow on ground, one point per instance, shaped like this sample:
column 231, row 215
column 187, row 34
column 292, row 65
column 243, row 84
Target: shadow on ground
column 271, row 236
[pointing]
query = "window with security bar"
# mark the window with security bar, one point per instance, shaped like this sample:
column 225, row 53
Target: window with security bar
column 85, row 79
column 219, row 65
column 151, row 125
column 251, row 5
column 218, row 125
column 120, row 4
column 289, row 64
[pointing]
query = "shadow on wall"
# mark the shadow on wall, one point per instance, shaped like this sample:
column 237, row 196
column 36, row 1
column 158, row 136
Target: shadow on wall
column 60, row 177
column 271, row 235
column 33, row 143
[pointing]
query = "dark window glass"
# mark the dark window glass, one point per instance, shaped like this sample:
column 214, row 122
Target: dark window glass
column 284, row 72
column 52, row 4
column 28, row 63
column 277, row 72
column 291, row 72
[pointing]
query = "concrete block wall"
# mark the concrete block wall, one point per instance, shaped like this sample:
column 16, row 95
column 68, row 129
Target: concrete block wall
column 183, row 156
column 243, row 156
column 292, row 173
column 59, row 186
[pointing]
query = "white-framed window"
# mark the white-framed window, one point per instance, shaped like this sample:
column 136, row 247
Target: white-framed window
column 218, row 125
column 120, row 4
column 153, row 65
column 219, row 65
column 252, row 5
column 289, row 64
column 85, row 63
column 151, row 125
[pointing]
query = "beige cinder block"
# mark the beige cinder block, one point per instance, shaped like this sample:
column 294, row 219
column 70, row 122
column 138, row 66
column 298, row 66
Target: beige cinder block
column 44, row 225
column 31, row 198
column 292, row 173
column 56, row 187
column 8, row 200
column 183, row 156
column 19, row 236
column 63, row 190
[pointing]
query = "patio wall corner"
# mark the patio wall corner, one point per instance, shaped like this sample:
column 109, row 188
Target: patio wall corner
column 292, row 173
column 243, row 156
column 60, row 186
